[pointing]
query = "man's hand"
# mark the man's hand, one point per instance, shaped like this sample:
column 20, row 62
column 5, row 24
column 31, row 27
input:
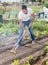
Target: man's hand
column 30, row 24
column 21, row 24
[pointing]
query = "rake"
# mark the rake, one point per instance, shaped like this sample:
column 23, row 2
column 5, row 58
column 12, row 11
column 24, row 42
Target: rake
column 13, row 50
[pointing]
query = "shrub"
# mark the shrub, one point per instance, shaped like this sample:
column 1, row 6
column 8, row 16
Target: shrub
column 16, row 62
column 46, row 5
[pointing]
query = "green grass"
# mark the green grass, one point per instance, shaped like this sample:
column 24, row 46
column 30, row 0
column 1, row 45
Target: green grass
column 36, row 8
column 8, row 28
column 39, row 27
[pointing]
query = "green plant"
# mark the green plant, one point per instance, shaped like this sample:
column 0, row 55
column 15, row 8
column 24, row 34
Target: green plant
column 26, row 63
column 35, row 9
column 46, row 62
column 1, row 25
column 39, row 27
column 8, row 28
column 46, row 5
column 46, row 49
column 30, row 57
column 37, row 34
column 16, row 62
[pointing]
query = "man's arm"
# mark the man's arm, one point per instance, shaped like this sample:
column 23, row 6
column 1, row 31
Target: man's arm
column 33, row 18
column 21, row 24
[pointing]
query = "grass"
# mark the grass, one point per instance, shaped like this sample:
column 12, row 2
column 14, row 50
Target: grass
column 36, row 8
column 39, row 27
column 8, row 28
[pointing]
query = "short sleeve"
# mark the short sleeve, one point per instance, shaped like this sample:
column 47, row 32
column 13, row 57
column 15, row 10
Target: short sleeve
column 31, row 11
column 20, row 16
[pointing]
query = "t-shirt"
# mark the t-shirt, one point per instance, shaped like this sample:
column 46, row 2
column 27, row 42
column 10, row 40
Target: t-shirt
column 25, row 17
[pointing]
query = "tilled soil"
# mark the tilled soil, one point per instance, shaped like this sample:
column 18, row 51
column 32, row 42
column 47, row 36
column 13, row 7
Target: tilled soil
column 22, row 53
column 42, row 61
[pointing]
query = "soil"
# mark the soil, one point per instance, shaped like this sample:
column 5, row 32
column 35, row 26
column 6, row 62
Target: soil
column 27, row 49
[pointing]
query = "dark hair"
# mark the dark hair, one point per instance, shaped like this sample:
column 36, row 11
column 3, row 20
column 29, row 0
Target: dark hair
column 24, row 7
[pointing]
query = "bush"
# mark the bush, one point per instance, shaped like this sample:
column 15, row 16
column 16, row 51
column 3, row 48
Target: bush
column 39, row 0
column 46, row 5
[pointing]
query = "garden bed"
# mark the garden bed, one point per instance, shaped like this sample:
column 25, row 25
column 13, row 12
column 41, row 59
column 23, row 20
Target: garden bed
column 26, row 51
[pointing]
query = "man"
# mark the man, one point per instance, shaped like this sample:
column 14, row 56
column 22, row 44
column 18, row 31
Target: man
column 26, row 17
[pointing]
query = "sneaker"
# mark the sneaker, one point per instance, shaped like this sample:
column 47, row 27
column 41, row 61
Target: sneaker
column 33, row 42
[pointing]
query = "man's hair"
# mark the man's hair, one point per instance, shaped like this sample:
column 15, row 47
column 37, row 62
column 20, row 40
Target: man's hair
column 24, row 7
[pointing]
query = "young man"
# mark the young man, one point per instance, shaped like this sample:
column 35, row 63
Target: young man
column 26, row 17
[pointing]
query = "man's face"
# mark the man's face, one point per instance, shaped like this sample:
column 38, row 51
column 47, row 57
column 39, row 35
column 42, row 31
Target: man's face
column 24, row 11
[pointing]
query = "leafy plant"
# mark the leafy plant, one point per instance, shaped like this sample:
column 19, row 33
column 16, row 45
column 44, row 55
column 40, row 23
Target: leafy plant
column 37, row 34
column 46, row 62
column 16, row 62
column 26, row 63
column 46, row 49
column 30, row 58
column 39, row 27
column 46, row 5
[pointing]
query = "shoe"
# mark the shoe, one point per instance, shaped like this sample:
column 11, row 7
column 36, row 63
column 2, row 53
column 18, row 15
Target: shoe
column 33, row 42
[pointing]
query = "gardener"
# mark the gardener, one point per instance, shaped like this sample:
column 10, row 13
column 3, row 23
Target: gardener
column 26, row 17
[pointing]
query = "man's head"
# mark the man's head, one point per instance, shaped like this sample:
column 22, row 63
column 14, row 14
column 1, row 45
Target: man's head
column 24, row 9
